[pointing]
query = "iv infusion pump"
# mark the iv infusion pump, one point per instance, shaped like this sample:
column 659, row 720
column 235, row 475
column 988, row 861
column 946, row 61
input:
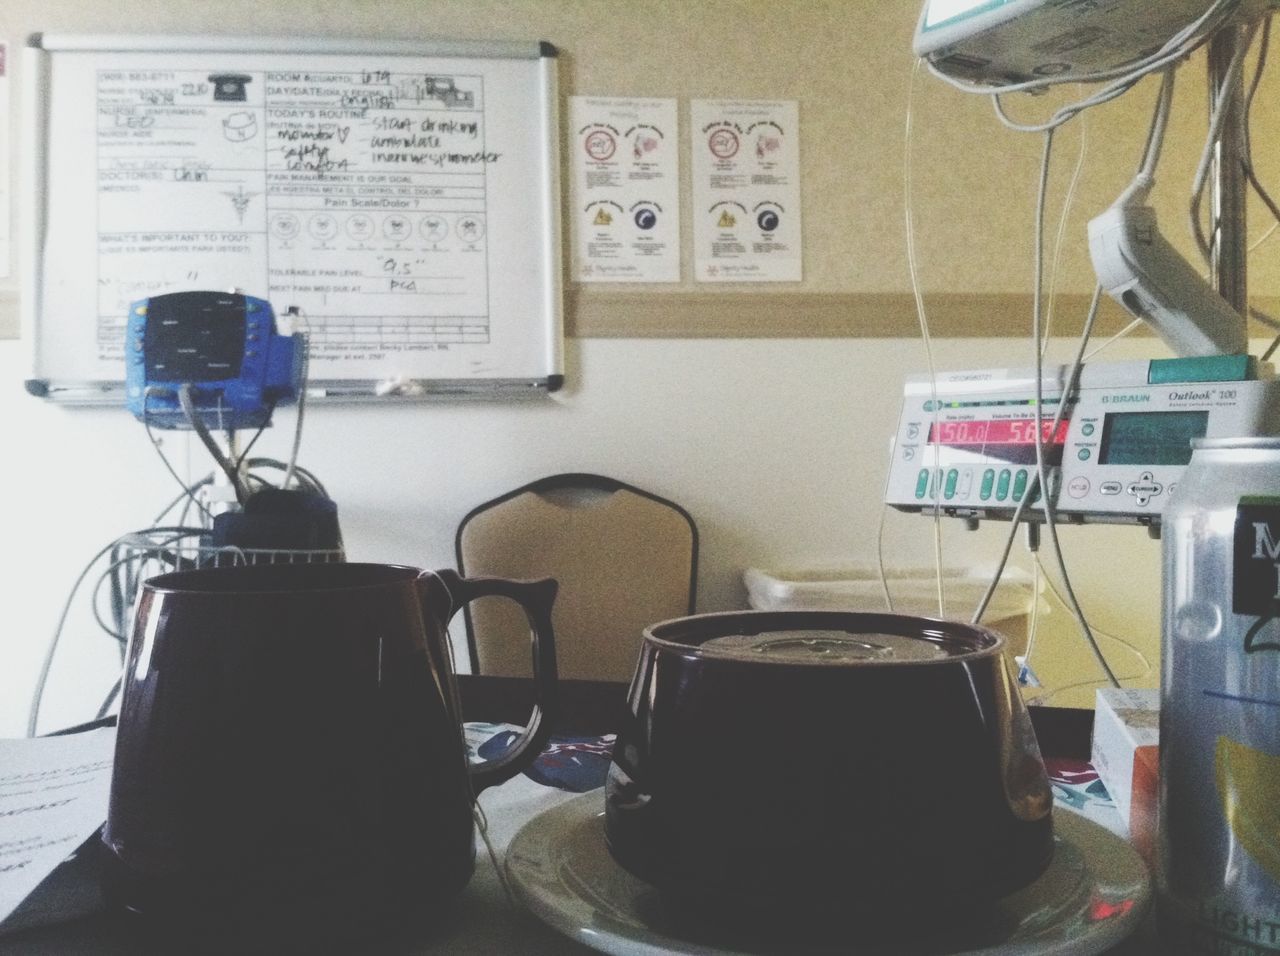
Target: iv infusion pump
column 965, row 445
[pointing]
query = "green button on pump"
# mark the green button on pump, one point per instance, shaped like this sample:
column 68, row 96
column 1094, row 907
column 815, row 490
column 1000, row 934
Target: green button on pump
column 988, row 483
column 1002, row 486
column 952, row 477
column 922, row 483
column 1020, row 484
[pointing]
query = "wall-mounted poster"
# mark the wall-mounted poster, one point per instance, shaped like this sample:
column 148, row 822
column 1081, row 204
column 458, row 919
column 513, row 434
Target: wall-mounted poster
column 746, row 190
column 625, row 201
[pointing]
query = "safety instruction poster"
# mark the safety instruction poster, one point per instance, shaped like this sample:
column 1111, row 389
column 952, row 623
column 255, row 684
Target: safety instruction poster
column 625, row 218
column 746, row 190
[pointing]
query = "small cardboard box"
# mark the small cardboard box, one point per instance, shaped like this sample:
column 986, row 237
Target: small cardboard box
column 1126, row 739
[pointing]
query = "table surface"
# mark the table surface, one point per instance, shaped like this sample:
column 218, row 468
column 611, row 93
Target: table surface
column 484, row 920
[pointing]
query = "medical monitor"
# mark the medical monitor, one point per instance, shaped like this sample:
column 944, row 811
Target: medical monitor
column 1014, row 41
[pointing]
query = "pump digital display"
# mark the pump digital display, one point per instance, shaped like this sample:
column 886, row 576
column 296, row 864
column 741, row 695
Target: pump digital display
column 1006, row 431
column 1150, row 438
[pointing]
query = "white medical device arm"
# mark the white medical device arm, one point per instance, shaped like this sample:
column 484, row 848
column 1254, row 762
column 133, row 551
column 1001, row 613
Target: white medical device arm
column 1142, row 271
column 994, row 46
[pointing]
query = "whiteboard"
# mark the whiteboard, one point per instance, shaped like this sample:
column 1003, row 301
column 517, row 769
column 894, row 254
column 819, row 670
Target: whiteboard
column 403, row 196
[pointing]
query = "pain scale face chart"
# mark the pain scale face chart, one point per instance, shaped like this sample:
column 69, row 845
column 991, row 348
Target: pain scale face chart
column 359, row 196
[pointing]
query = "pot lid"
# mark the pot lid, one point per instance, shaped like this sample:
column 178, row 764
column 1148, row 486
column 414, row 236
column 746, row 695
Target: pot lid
column 833, row 638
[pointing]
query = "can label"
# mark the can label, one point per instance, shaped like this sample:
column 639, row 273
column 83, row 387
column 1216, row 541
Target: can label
column 1255, row 575
column 1223, row 932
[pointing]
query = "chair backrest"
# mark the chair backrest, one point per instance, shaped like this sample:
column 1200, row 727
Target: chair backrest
column 624, row 559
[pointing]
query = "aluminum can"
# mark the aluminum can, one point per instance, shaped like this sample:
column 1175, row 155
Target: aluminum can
column 1218, row 867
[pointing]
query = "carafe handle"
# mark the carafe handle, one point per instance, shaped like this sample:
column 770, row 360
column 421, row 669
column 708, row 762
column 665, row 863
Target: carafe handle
column 536, row 598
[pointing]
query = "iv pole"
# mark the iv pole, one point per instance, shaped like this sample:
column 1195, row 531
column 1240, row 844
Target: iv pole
column 1230, row 242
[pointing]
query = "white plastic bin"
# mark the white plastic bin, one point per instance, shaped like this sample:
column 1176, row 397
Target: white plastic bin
column 914, row 591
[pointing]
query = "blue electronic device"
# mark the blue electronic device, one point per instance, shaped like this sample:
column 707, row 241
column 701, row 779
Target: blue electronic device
column 221, row 346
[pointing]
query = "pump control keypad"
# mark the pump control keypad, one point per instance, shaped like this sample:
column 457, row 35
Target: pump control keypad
column 970, row 485
column 1144, row 489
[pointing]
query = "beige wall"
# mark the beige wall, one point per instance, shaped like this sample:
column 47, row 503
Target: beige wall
column 848, row 63
column 777, row 447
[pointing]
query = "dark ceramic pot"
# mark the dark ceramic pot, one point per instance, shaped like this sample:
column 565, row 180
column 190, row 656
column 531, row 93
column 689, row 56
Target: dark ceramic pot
column 826, row 765
column 290, row 774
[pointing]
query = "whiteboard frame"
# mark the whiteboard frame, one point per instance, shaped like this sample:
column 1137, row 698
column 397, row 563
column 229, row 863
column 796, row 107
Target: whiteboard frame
column 36, row 106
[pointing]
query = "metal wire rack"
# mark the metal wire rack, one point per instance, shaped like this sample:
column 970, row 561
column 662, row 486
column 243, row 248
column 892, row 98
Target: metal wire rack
column 134, row 558
column 141, row 555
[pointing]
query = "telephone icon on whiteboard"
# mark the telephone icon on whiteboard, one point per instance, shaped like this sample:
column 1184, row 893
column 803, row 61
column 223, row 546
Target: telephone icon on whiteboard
column 230, row 87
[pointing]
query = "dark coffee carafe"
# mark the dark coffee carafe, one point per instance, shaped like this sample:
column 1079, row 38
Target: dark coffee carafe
column 290, row 772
